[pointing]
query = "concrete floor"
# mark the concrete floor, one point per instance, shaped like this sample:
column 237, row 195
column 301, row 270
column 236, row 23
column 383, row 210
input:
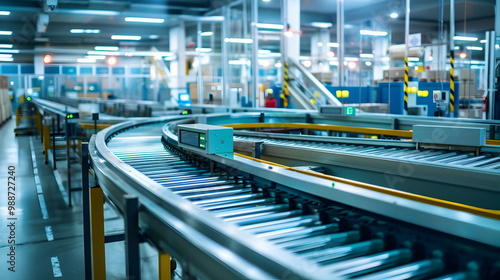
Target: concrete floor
column 48, row 234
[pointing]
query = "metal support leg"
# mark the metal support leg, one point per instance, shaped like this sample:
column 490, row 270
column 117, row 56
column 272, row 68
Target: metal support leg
column 68, row 143
column 86, row 211
column 46, row 142
column 97, row 233
column 54, row 143
column 165, row 272
column 132, row 237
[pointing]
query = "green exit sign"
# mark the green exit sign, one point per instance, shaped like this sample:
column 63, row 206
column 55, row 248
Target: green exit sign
column 349, row 111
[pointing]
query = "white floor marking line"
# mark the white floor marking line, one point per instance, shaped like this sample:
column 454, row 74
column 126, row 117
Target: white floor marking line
column 56, row 268
column 48, row 232
column 43, row 207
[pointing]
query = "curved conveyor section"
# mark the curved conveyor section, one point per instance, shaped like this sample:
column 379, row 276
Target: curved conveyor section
column 237, row 218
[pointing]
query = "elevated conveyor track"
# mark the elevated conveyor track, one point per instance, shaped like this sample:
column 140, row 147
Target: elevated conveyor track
column 242, row 219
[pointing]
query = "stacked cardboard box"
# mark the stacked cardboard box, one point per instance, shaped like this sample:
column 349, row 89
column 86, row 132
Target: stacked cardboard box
column 397, row 74
column 5, row 105
column 324, row 77
column 467, row 80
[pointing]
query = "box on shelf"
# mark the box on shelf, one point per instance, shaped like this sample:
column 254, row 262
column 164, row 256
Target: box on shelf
column 466, row 74
column 466, row 88
column 398, row 73
column 324, row 77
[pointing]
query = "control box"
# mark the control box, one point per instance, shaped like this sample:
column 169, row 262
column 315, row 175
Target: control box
column 337, row 110
column 209, row 139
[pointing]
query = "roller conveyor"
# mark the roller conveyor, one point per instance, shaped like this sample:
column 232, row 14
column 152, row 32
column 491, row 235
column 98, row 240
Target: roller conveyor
column 338, row 241
column 482, row 162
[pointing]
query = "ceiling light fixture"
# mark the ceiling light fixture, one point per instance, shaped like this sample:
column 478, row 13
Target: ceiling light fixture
column 270, row 26
column 333, row 45
column 475, row 48
column 85, row 60
column 126, row 37
column 6, row 33
column 372, row 33
column 106, row 48
column 321, row 24
column 102, row 53
column 4, row 13
column 112, row 61
column 5, row 55
column 394, row 15
column 86, row 31
column 206, row 33
column 464, row 38
column 6, row 46
column 483, row 41
column 366, row 55
column 47, row 59
column 144, row 20
column 368, row 63
column 100, row 57
column 6, row 59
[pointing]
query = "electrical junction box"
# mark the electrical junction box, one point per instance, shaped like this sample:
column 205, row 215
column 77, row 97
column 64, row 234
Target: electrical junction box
column 73, row 117
column 337, row 110
column 209, row 139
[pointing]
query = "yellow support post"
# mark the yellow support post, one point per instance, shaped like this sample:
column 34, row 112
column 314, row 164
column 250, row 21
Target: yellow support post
column 46, row 142
column 97, row 233
column 452, row 83
column 406, row 86
column 17, row 117
column 164, row 266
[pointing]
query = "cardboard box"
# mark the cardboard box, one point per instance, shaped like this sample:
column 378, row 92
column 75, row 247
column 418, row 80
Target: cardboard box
column 398, row 73
column 465, row 88
column 324, row 77
column 466, row 74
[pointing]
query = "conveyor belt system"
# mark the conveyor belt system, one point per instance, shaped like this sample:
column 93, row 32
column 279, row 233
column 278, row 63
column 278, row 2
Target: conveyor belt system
column 481, row 162
column 329, row 239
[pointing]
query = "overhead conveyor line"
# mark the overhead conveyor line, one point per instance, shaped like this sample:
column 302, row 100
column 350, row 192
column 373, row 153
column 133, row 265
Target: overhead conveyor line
column 493, row 214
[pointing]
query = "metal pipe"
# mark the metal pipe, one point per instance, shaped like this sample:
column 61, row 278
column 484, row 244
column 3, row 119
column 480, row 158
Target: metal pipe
column 200, row 72
column 424, row 269
column 340, row 40
column 346, row 251
column 367, row 264
column 255, row 53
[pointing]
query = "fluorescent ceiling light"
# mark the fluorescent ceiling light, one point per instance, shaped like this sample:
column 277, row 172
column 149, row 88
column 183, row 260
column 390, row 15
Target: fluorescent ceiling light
column 475, row 48
column 333, row 62
column 413, row 59
column 126, row 37
column 366, row 55
column 457, row 47
column 4, row 13
column 204, row 50
column 270, row 26
column 278, row 64
column 351, row 58
column 6, row 59
column 92, row 12
column 106, row 48
column 368, row 63
column 153, row 37
column 483, row 41
column 322, row 24
column 264, row 51
column 207, row 33
column 5, row 55
column 393, row 15
column 464, row 38
column 238, row 40
column 85, row 60
column 95, row 57
column 102, row 53
column 333, row 45
column 372, row 33
column 86, row 31
column 237, row 62
column 6, row 33
column 6, row 46
column 10, row 51
column 146, row 20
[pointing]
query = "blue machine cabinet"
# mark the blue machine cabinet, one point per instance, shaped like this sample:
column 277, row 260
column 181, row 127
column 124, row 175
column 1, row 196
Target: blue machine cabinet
column 396, row 104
